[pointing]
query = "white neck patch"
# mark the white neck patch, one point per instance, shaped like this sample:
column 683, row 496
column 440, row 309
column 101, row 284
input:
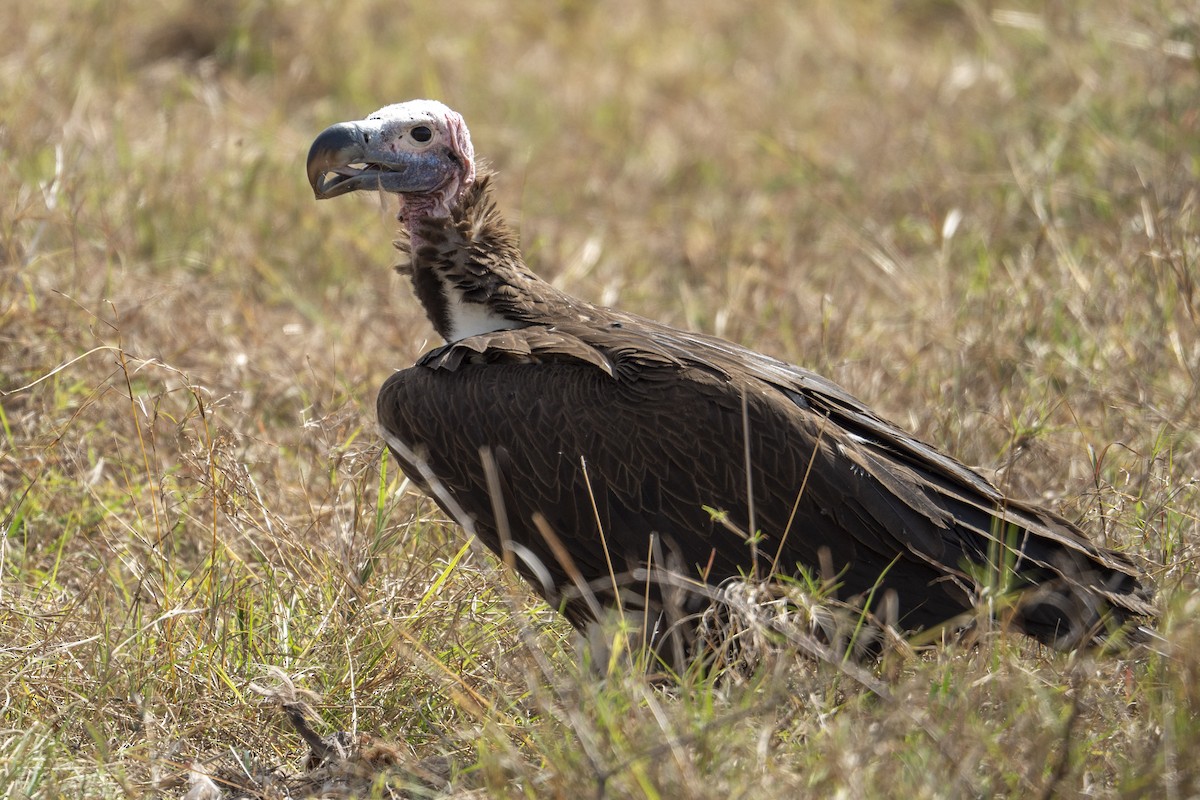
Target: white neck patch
column 471, row 319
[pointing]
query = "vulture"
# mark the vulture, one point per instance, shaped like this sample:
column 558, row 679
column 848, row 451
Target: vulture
column 618, row 462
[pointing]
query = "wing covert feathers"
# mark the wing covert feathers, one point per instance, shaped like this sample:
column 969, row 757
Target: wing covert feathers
column 604, row 427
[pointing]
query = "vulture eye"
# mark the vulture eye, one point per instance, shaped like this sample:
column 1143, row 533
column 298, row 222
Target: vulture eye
column 421, row 133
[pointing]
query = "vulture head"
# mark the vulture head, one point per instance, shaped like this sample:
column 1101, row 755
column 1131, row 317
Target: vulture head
column 419, row 150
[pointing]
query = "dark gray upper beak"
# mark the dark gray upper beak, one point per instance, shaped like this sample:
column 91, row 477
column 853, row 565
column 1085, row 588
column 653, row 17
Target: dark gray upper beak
column 336, row 147
column 350, row 156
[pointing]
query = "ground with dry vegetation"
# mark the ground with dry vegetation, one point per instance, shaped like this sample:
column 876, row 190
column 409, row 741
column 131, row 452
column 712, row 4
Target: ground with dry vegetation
column 979, row 216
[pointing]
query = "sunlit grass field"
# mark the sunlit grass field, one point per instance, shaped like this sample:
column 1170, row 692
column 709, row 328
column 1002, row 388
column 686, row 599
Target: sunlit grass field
column 978, row 216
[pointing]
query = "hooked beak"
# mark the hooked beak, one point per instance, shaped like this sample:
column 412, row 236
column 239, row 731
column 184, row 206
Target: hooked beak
column 352, row 156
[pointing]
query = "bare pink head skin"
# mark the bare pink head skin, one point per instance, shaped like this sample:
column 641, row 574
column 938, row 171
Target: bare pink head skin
column 419, row 151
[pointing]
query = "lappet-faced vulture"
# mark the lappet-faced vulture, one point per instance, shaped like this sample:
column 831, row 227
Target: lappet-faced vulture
column 589, row 446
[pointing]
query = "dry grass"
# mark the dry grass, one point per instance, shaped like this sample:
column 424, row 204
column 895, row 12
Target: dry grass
column 979, row 216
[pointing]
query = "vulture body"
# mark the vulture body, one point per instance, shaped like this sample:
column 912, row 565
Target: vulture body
column 599, row 451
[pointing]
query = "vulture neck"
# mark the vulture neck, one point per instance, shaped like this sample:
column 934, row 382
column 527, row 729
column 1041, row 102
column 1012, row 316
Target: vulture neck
column 468, row 272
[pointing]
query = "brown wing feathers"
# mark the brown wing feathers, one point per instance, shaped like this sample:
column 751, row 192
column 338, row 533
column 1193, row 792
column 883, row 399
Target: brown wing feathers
column 657, row 415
